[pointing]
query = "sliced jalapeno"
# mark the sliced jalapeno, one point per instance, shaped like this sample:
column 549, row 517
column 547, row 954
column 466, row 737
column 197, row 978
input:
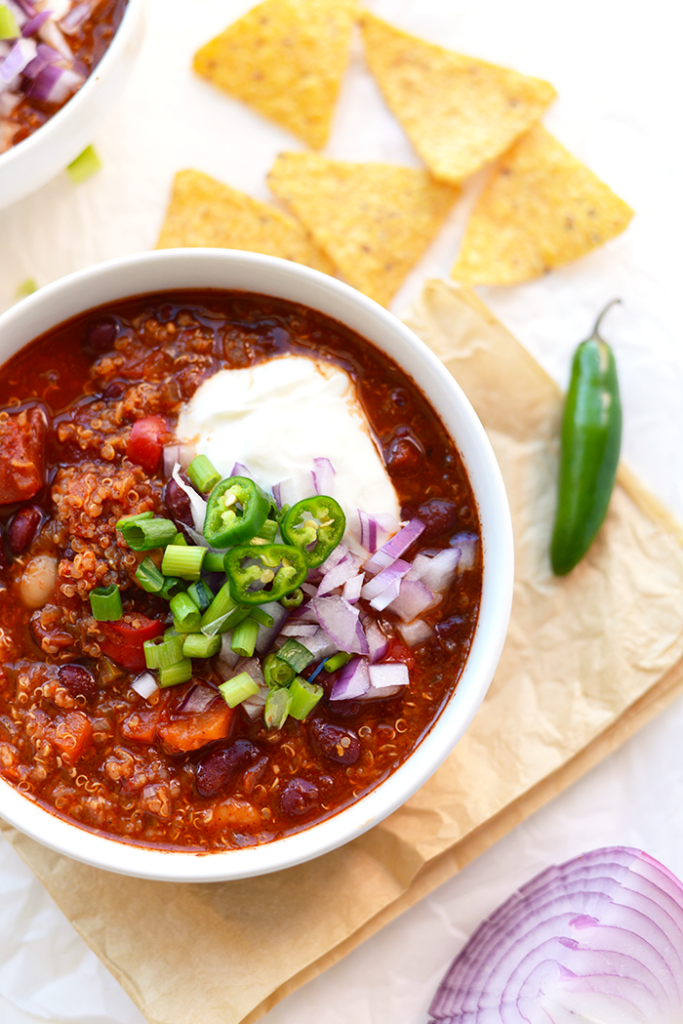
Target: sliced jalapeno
column 315, row 526
column 236, row 511
column 257, row 575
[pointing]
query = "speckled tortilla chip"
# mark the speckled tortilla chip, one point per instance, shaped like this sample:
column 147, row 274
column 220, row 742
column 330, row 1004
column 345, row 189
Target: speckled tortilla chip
column 541, row 209
column 459, row 112
column 204, row 212
column 285, row 58
column 373, row 220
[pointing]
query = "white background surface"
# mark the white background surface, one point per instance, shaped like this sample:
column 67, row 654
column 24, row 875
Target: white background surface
column 618, row 110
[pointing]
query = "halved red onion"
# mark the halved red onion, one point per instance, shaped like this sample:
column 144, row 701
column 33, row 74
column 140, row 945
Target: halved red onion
column 378, row 642
column 198, row 506
column 353, row 587
column 340, row 620
column 352, row 681
column 387, row 679
column 599, row 938
column 197, row 699
column 267, row 634
column 337, row 575
column 415, row 632
column 183, row 454
column 413, row 599
column 20, row 55
column 467, row 543
column 437, row 572
column 323, row 476
column 145, row 685
column 395, row 547
column 384, row 588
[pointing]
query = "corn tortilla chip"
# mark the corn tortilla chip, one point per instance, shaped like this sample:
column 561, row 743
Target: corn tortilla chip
column 204, row 212
column 459, row 112
column 541, row 209
column 285, row 58
column 373, row 220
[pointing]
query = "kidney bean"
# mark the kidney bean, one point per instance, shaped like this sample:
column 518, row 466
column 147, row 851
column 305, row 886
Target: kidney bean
column 178, row 504
column 101, row 336
column 116, row 389
column 298, row 797
column 438, row 516
column 23, row 529
column 335, row 743
column 78, row 681
column 217, row 770
column 404, row 456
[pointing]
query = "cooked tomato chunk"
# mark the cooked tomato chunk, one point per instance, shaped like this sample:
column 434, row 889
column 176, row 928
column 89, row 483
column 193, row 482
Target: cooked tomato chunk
column 22, row 443
column 146, row 442
column 71, row 735
column 194, row 731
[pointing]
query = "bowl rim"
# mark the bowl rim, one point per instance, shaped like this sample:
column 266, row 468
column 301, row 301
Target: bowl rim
column 76, row 291
column 53, row 126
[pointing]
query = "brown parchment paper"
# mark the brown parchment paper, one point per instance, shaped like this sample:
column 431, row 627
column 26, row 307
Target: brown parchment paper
column 588, row 660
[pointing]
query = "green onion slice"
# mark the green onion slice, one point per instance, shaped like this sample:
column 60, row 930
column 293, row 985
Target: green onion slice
column 305, row 696
column 185, row 562
column 214, row 561
column 237, row 689
column 276, row 672
column 278, row 703
column 337, row 661
column 146, row 534
column 186, row 614
column 295, row 655
column 173, row 675
column 105, row 603
column 244, row 638
column 149, row 577
column 203, row 474
column 197, row 645
column 141, row 517
column 201, row 594
column 262, row 617
column 293, row 599
column 223, row 613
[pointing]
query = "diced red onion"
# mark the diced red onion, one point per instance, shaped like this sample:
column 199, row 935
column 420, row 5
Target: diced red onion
column 45, row 55
column 384, row 588
column 145, row 685
column 54, row 84
column 599, row 938
column 297, row 487
column 467, row 543
column 226, row 659
column 352, row 588
column 395, row 547
column 352, row 681
column 304, row 613
column 239, row 469
column 183, row 454
column 196, row 700
column 309, row 589
column 35, row 23
column 26, row 9
column 323, row 476
column 266, row 634
column 340, row 620
column 72, row 21
column 50, row 34
column 413, row 599
column 253, row 705
column 378, row 642
column 338, row 574
column 9, row 101
column 299, row 629
column 437, row 572
column 374, row 529
column 321, row 645
column 21, row 54
column 387, row 679
column 252, row 666
column 415, row 632
column 198, row 506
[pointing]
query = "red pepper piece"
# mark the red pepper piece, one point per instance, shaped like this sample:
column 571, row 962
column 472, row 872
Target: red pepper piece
column 22, row 442
column 397, row 651
column 146, row 442
column 124, row 639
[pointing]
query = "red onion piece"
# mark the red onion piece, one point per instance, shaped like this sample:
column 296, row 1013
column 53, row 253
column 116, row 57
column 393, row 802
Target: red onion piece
column 340, row 620
column 51, row 35
column 21, row 54
column 415, row 632
column 437, row 572
column 374, row 529
column 353, row 587
column 309, row 589
column 226, row 659
column 183, row 454
column 384, row 588
column 35, row 23
column 467, row 543
column 145, row 685
column 196, row 700
column 300, row 629
column 323, row 476
column 352, row 681
column 198, row 505
column 45, row 55
column 387, row 679
column 321, row 645
column 337, row 575
column 299, row 486
column 266, row 634
column 599, row 938
column 55, row 84
column 413, row 599
column 72, row 21
column 395, row 547
column 378, row 643
column 239, row 469
column 9, row 101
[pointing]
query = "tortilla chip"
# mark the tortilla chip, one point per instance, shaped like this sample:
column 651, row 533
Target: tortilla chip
column 204, row 212
column 541, row 209
column 374, row 221
column 459, row 112
column 285, row 58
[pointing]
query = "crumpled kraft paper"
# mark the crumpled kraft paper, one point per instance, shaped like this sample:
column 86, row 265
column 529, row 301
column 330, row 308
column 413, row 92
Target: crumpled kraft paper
column 589, row 658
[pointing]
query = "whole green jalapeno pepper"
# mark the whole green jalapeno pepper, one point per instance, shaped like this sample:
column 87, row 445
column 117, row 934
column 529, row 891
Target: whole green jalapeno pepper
column 236, row 510
column 315, row 526
column 264, row 573
column 589, row 455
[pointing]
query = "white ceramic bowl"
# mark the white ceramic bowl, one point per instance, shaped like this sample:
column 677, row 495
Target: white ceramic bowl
column 33, row 162
column 219, row 268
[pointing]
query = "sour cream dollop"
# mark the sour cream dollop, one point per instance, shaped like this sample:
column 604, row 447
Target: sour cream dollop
column 280, row 415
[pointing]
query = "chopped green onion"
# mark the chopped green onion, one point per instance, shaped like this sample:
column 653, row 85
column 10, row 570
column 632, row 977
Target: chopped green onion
column 263, row 618
column 237, row 689
column 276, row 672
column 295, row 654
column 149, row 577
column 8, row 24
column 183, row 562
column 214, row 561
column 244, row 638
column 202, row 474
column 267, row 533
column 139, row 518
column 30, row 285
column 185, row 613
column 278, row 703
column 152, row 650
column 172, row 675
column 292, row 600
column 84, row 166
column 305, row 696
column 223, row 613
column 199, row 646
column 165, row 653
column 146, row 534
column 105, row 603
column 201, row 594
column 170, row 587
column 337, row 661
column 180, row 540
